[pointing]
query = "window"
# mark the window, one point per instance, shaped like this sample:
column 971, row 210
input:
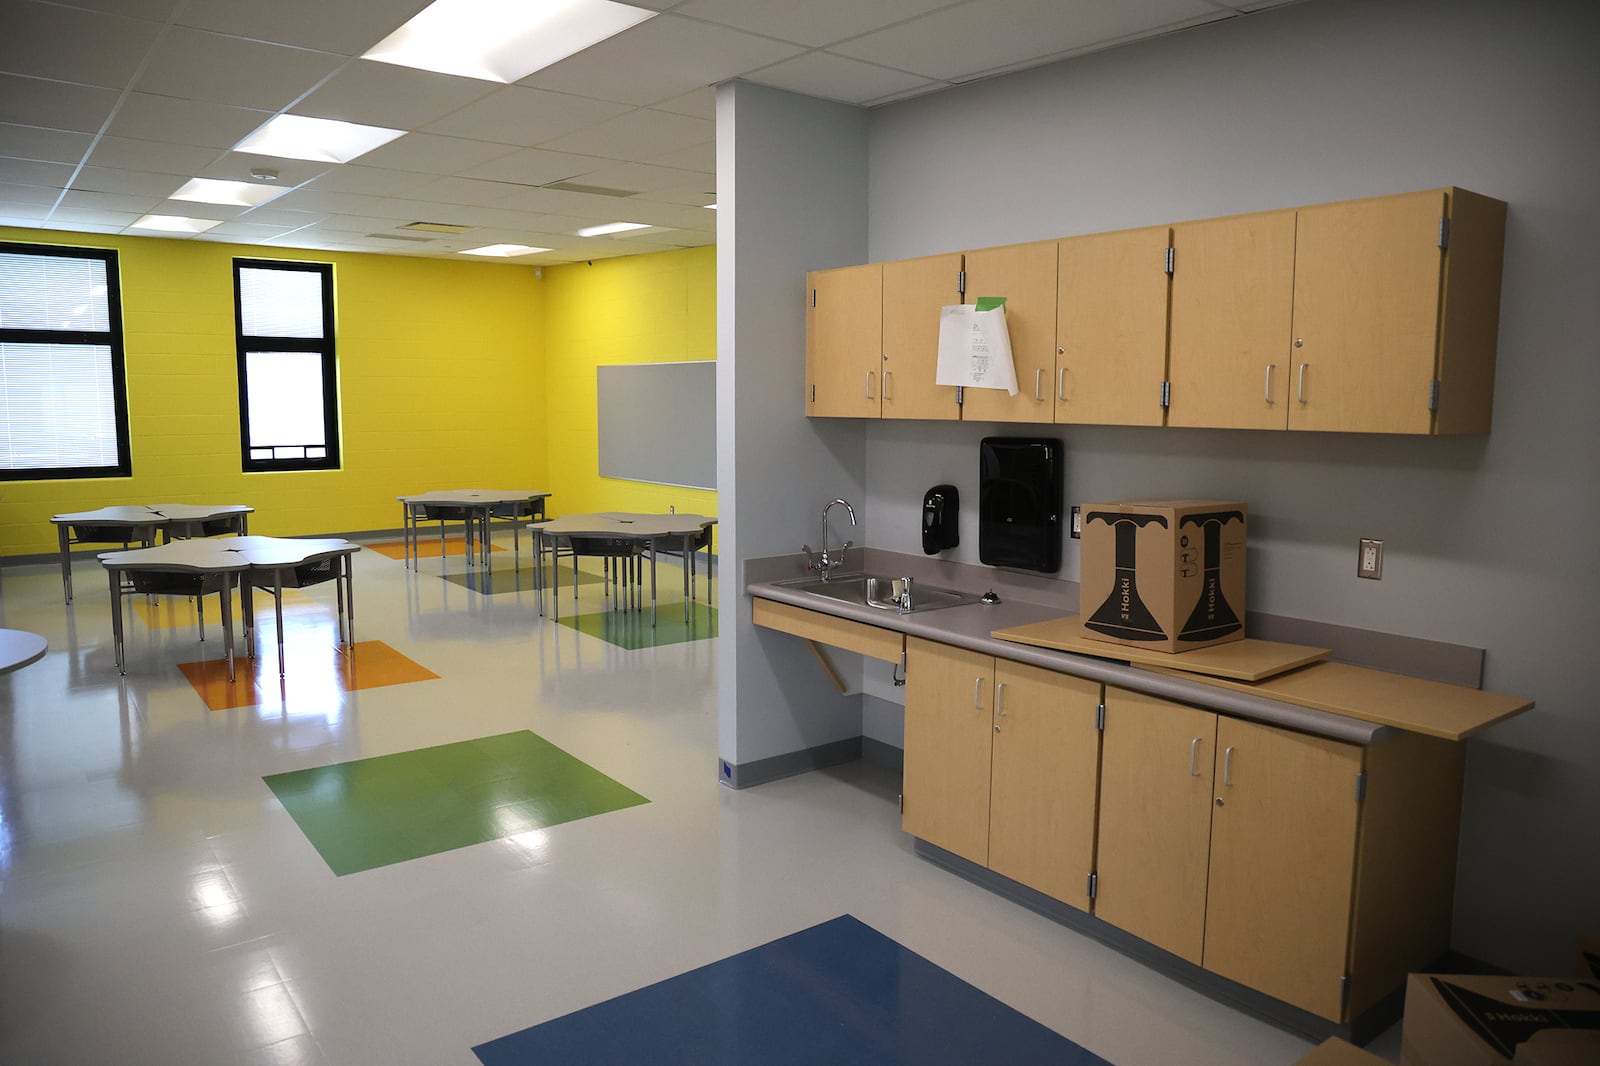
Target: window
column 63, row 390
column 288, row 383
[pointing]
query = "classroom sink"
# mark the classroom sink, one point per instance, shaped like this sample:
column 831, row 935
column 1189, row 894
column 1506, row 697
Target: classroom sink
column 881, row 591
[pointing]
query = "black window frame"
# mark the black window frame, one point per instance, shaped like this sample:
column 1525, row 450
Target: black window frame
column 325, row 345
column 111, row 338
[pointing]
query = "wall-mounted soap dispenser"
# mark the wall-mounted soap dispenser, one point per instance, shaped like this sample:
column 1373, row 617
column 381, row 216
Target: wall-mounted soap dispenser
column 939, row 508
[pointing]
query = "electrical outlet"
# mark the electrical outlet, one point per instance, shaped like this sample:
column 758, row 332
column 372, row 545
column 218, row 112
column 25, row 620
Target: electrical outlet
column 1369, row 561
column 1077, row 524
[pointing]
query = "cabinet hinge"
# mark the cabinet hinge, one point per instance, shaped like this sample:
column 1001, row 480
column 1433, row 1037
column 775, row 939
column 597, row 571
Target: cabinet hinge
column 813, row 297
column 1361, row 786
column 1094, row 884
column 902, row 803
column 1444, row 234
column 961, row 282
column 1100, row 717
column 1344, row 991
column 1166, row 394
column 961, row 395
column 1433, row 395
column 1170, row 256
column 813, row 394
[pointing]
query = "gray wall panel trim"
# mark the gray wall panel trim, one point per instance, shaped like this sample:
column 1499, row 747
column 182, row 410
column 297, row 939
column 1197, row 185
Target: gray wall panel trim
column 1303, row 1023
column 759, row 772
column 879, row 753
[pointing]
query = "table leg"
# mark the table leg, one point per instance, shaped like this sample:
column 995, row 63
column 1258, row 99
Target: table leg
column 63, row 531
column 687, row 592
column 350, row 597
column 116, row 622
column 277, row 608
column 538, row 568
column 227, row 621
column 652, row 582
column 247, row 611
column 200, row 614
column 555, row 579
column 338, row 591
column 405, row 533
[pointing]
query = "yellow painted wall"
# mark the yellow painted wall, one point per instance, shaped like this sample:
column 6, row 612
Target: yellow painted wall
column 653, row 308
column 441, row 372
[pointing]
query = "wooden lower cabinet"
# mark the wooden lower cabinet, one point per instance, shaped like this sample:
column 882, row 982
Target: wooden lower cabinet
column 1002, row 766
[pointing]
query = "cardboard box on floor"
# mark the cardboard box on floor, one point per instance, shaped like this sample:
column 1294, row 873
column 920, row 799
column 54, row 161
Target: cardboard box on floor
column 1454, row 1020
column 1164, row 574
column 1589, row 957
column 1335, row 1052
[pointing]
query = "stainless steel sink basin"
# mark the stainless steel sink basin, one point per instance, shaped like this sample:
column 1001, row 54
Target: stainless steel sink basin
column 880, row 591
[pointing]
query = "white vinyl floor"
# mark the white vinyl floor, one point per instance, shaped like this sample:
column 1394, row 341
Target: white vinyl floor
column 159, row 906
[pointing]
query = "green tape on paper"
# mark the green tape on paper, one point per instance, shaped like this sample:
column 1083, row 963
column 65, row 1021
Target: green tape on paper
column 989, row 303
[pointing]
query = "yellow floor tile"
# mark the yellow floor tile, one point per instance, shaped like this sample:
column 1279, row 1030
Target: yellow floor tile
column 308, row 669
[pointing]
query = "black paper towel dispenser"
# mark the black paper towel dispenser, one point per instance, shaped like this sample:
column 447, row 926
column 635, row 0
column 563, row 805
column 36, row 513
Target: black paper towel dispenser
column 1020, row 489
column 939, row 507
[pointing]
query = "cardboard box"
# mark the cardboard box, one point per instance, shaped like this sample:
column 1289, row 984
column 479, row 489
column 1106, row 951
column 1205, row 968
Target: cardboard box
column 1335, row 1052
column 1589, row 957
column 1453, row 1020
column 1163, row 574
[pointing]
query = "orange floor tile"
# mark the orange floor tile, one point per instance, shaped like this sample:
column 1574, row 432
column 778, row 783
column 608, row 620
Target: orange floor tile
column 172, row 612
column 427, row 547
column 309, row 670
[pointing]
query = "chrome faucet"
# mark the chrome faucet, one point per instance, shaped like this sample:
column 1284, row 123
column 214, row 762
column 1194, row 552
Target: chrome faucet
column 826, row 564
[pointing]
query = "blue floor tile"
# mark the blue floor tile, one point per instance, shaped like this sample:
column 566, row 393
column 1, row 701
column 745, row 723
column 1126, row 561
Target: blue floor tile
column 839, row 993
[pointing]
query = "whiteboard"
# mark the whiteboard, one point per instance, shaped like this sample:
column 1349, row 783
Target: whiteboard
column 658, row 422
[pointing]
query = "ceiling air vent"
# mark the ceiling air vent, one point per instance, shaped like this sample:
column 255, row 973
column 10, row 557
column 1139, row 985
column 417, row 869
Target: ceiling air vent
column 592, row 190
column 436, row 227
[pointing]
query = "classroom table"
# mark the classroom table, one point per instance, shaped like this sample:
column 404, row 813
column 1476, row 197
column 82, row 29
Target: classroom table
column 200, row 567
column 643, row 529
column 19, row 648
column 480, row 504
column 128, row 523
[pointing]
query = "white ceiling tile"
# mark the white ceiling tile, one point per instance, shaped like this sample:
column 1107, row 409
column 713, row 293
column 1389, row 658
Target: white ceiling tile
column 701, row 158
column 969, row 38
column 838, row 78
column 196, row 65
column 689, row 196
column 815, row 22
column 33, row 172
column 586, row 206
column 236, row 166
column 126, row 153
column 37, row 195
column 637, row 135
column 346, row 28
column 344, row 203
column 635, row 177
column 90, row 48
column 147, row 117
column 191, row 209
column 15, row 214
column 371, row 181
column 91, row 216
column 127, row 182
column 382, row 94
column 273, row 215
column 54, row 104
column 244, row 231
column 153, row 10
column 52, row 146
column 524, row 117
column 660, row 59
column 353, row 224
column 429, row 153
column 463, row 191
column 702, row 103
column 105, row 201
column 535, row 166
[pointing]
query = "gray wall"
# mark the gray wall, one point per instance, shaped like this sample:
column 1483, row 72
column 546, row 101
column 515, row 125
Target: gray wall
column 791, row 194
column 1489, row 541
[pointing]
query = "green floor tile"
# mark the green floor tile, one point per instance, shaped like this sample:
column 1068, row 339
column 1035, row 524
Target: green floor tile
column 373, row 812
column 503, row 578
column 632, row 629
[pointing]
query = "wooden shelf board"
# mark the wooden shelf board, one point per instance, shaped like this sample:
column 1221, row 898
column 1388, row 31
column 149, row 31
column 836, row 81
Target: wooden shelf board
column 1241, row 660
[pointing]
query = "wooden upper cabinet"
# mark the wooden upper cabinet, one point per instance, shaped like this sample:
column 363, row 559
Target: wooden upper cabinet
column 1046, row 768
column 1025, row 274
column 1155, row 820
column 1283, row 857
column 949, row 731
column 1111, row 327
column 844, row 341
column 1232, row 303
column 913, row 292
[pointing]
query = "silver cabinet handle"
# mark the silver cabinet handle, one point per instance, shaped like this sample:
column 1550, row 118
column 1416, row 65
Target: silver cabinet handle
column 1301, row 393
column 1270, row 368
column 1000, row 699
column 1227, row 768
column 888, row 376
column 1194, row 757
column 977, row 693
column 1061, row 383
column 869, row 384
column 1038, row 384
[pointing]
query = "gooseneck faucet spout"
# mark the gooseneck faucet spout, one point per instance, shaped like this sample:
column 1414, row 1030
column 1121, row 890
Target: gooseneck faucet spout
column 826, row 563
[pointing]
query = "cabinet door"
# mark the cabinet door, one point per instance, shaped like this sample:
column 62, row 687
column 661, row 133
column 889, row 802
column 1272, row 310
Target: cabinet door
column 1283, row 839
column 913, row 292
column 1111, row 328
column 949, row 694
column 1044, row 780
column 1232, row 311
column 1155, row 820
column 1025, row 274
column 844, row 341
column 1366, row 314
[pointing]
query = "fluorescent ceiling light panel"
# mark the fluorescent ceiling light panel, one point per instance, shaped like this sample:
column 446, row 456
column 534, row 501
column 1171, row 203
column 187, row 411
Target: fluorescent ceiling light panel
column 502, row 40
column 323, row 140
column 233, row 193
column 504, row 251
column 611, row 227
column 175, row 223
